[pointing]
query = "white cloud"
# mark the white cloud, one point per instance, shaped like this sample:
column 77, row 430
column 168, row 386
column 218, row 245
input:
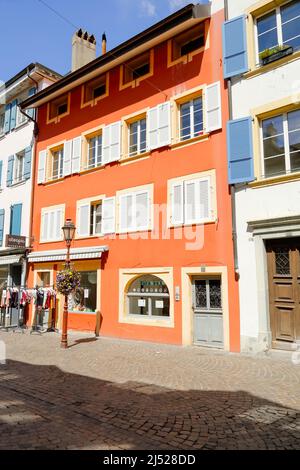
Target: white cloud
column 177, row 4
column 148, row 8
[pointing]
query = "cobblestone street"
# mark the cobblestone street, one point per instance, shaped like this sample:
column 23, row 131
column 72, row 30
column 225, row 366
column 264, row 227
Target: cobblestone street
column 110, row 394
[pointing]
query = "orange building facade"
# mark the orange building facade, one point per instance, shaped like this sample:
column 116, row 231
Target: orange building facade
column 132, row 148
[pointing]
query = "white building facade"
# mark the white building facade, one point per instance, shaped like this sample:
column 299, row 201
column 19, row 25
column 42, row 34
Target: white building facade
column 16, row 168
column 262, row 64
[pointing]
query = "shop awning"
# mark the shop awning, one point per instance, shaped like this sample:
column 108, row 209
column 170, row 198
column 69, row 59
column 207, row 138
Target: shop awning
column 10, row 259
column 60, row 255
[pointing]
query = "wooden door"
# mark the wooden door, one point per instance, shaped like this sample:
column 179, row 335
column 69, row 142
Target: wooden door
column 283, row 258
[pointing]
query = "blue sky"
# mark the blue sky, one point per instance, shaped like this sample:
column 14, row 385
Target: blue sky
column 32, row 33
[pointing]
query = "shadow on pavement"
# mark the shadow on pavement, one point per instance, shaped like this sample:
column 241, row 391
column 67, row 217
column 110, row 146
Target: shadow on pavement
column 43, row 407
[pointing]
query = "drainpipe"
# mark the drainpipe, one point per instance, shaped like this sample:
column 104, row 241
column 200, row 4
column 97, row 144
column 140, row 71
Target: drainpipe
column 232, row 187
column 35, row 135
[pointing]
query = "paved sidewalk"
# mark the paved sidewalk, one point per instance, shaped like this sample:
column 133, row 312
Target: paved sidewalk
column 111, row 394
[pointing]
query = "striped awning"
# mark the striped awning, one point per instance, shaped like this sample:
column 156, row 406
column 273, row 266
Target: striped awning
column 10, row 259
column 60, row 255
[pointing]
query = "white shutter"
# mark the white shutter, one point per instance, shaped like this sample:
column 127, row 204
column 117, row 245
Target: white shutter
column 159, row 126
column 106, row 145
column 142, row 210
column 205, row 205
column 115, row 141
column 42, row 167
column 164, row 124
column 67, row 168
column 177, row 204
column 213, row 110
column 111, row 142
column 152, row 126
column 83, row 220
column 58, row 224
column 127, row 219
column 52, row 225
column 76, row 155
column 190, row 204
column 108, row 215
column 44, row 230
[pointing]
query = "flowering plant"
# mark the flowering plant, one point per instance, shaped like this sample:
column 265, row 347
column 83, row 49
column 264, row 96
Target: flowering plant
column 67, row 280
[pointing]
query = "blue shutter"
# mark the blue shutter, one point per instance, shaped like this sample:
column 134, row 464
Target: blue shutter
column 10, row 170
column 240, row 150
column 13, row 114
column 15, row 219
column 1, row 167
column 235, row 57
column 27, row 163
column 31, row 92
column 7, row 118
column 1, row 226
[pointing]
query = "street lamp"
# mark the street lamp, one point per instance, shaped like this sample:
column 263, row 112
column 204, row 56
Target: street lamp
column 69, row 232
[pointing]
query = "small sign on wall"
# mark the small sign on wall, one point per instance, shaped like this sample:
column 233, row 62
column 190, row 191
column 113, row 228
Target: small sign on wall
column 86, row 293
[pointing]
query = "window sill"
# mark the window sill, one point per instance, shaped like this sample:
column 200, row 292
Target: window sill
column 19, row 183
column 43, row 242
column 93, row 102
column 184, row 143
column 89, row 237
column 273, row 65
column 2, row 136
column 275, row 180
column 85, row 171
column 195, row 224
column 76, row 312
column 58, row 180
column 139, row 156
column 163, row 322
column 23, row 124
column 185, row 59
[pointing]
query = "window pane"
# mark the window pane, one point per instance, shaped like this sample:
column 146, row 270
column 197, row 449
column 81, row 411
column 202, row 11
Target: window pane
column 200, row 294
column 290, row 11
column 92, row 152
column 291, row 31
column 275, row 166
column 282, row 260
column 160, row 307
column 215, row 294
column 294, row 142
column 273, row 126
column 98, row 218
column 99, row 149
column 143, row 135
column 133, row 139
column 134, row 308
column 274, row 146
column 267, row 32
column 185, row 121
column 266, row 22
column 198, row 116
column 85, row 298
column 294, row 120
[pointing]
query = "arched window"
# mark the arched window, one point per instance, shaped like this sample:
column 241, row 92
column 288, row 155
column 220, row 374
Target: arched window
column 149, row 296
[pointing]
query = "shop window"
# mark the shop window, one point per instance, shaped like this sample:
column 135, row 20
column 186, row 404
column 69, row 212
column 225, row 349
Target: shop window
column 84, row 299
column 148, row 296
column 136, row 70
column 58, row 108
column 43, row 279
column 188, row 43
column 95, row 90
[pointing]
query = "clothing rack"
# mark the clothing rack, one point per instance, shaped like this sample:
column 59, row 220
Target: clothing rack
column 13, row 308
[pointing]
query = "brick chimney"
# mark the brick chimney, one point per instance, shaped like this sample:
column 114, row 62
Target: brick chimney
column 83, row 49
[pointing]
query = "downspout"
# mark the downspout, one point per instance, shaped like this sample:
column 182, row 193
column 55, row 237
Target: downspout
column 35, row 135
column 232, row 187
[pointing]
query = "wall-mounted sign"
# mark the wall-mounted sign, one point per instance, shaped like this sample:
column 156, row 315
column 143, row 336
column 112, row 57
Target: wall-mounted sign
column 14, row 241
column 142, row 303
column 159, row 304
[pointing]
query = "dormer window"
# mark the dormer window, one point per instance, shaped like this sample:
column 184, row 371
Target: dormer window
column 95, row 90
column 136, row 70
column 58, row 108
column 184, row 46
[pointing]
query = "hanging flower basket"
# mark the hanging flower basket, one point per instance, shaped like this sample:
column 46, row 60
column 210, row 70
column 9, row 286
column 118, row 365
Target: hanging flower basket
column 67, row 281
